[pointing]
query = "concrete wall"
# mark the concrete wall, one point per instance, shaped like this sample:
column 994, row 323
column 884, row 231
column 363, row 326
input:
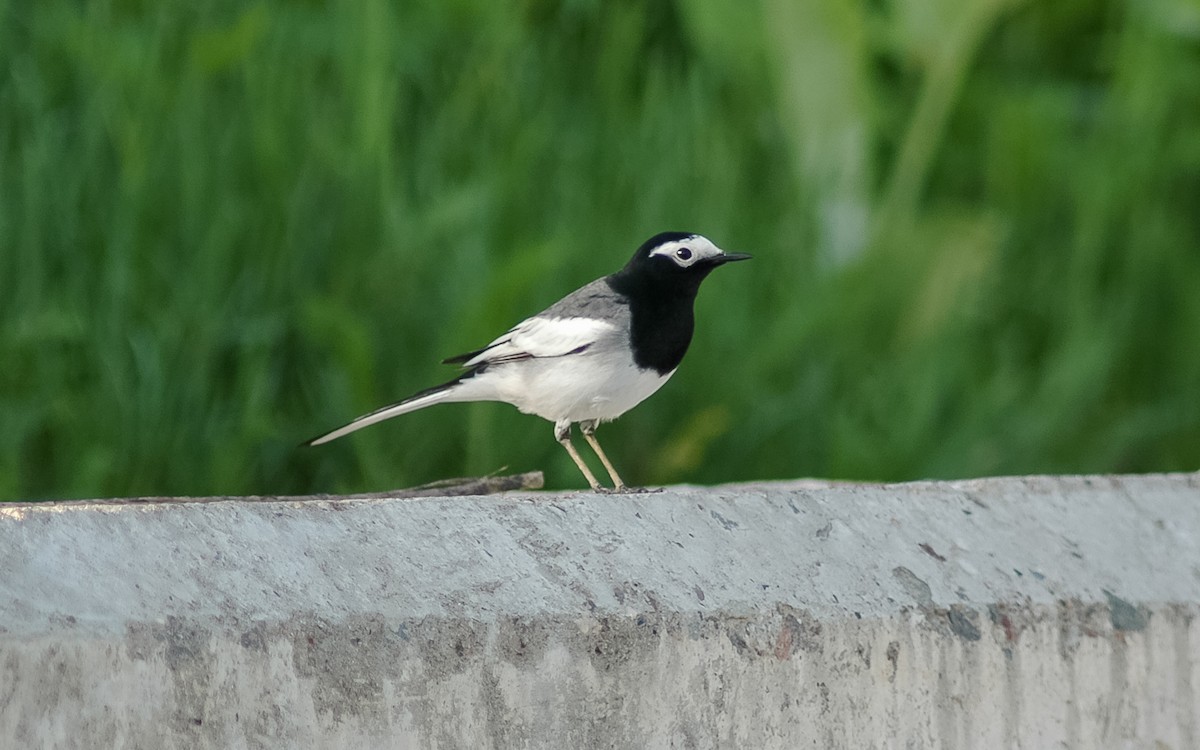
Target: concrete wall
column 1002, row 613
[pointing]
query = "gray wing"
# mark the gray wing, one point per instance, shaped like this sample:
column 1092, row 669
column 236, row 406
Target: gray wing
column 570, row 326
column 596, row 300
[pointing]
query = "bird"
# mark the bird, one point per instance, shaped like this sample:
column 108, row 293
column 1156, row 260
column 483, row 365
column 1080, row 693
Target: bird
column 591, row 356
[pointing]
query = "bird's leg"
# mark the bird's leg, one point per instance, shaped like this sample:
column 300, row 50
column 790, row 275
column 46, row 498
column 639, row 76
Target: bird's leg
column 589, row 433
column 562, row 433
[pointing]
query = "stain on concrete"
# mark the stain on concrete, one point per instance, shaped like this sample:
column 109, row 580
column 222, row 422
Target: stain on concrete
column 521, row 641
column 254, row 638
column 964, row 622
column 1123, row 615
column 806, row 628
column 347, row 662
column 185, row 647
column 913, row 586
column 739, row 642
column 783, row 644
column 893, row 657
column 1078, row 620
column 798, row 631
column 927, row 549
column 1000, row 616
column 618, row 641
column 726, row 523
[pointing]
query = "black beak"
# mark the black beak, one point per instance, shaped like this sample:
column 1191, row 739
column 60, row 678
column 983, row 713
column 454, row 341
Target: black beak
column 729, row 258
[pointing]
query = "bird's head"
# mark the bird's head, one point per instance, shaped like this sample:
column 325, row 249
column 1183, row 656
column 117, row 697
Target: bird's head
column 678, row 259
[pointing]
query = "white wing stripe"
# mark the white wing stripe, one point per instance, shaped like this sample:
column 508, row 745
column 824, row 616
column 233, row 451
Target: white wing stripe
column 544, row 337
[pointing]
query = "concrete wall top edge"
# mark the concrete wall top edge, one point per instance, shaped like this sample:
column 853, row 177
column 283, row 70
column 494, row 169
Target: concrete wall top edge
column 859, row 550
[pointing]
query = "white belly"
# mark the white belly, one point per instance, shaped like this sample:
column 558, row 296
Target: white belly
column 574, row 388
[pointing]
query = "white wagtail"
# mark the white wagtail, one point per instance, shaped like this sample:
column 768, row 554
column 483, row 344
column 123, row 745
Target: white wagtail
column 591, row 356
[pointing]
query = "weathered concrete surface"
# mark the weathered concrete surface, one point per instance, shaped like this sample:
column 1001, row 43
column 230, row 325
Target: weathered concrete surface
column 1002, row 613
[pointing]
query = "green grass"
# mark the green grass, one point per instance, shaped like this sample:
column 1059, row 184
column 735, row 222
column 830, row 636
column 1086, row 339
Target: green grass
column 226, row 227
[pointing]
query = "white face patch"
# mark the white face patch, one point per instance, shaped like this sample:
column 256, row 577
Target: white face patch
column 687, row 251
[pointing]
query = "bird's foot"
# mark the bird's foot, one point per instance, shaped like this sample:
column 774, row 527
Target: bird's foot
column 625, row 490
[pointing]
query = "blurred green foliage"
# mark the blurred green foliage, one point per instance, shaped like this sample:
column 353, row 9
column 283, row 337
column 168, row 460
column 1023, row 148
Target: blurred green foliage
column 228, row 226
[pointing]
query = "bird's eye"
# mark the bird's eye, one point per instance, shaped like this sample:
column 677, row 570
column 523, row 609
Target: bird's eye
column 683, row 253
